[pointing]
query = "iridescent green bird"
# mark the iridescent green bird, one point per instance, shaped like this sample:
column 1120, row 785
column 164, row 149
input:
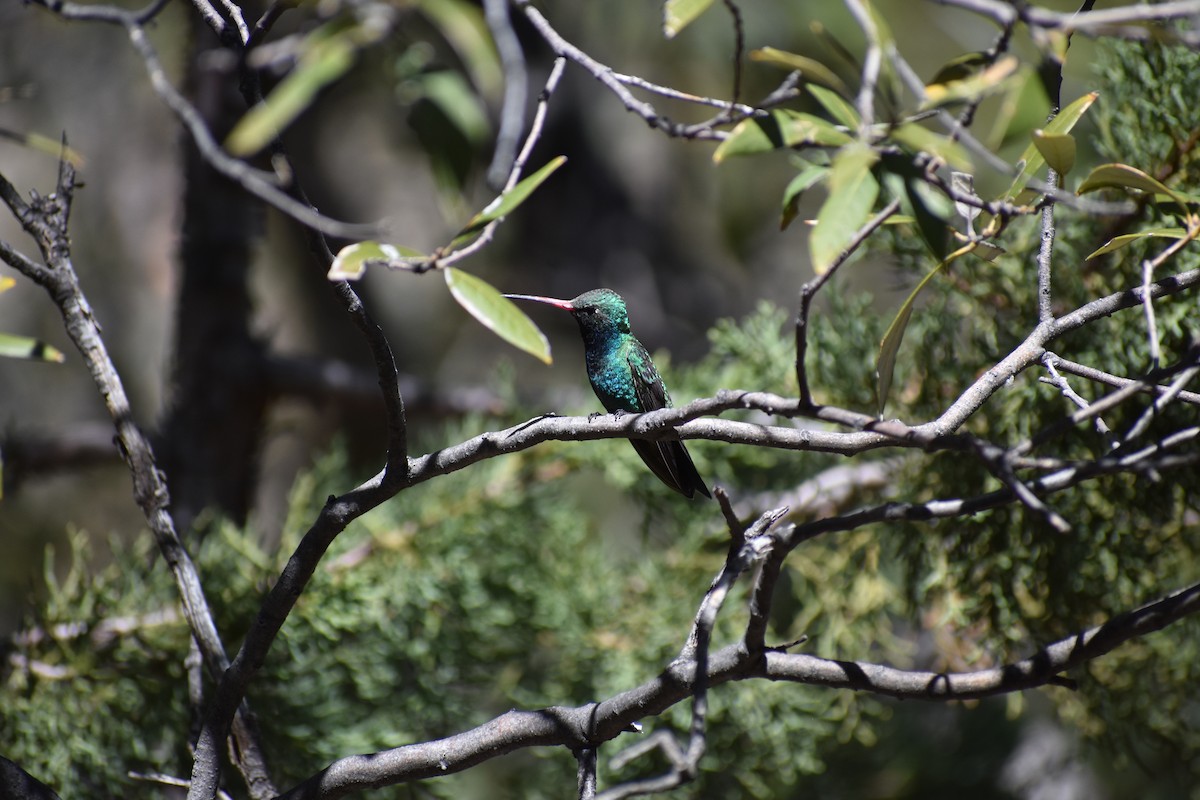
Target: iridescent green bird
column 625, row 379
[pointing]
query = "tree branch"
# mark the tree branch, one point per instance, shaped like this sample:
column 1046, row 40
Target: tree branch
column 46, row 220
column 589, row 725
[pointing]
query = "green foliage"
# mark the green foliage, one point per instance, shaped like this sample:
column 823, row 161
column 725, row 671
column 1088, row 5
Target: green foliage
column 994, row 586
column 80, row 708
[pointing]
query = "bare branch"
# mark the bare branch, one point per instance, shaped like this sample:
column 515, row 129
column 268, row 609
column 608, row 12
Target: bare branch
column 46, row 220
column 1099, row 376
column 587, row 726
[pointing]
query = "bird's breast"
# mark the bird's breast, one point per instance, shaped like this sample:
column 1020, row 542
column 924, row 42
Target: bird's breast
column 611, row 379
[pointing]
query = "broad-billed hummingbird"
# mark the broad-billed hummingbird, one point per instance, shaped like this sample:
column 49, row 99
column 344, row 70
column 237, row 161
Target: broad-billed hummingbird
column 625, row 379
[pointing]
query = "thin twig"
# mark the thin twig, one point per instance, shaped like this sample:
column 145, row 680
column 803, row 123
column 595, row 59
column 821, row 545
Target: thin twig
column 1099, row 376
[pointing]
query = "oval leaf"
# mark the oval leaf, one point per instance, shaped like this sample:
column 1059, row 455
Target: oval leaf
column 750, row 136
column 1117, row 242
column 852, row 193
column 504, row 205
column 497, row 313
column 837, row 106
column 1057, row 148
column 921, row 139
column 1033, row 159
column 352, row 260
column 1123, row 176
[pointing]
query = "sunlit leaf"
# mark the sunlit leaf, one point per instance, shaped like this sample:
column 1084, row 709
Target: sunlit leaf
column 921, row 139
column 973, row 87
column 988, row 251
column 837, row 106
column 852, row 193
column 24, row 347
column 506, row 203
column 1062, row 123
column 678, row 14
column 750, row 136
column 1057, row 148
column 497, row 313
column 780, row 128
column 807, row 178
column 800, row 129
column 44, row 144
column 810, row 69
column 959, row 68
column 352, row 260
column 325, row 55
column 1123, row 176
column 1117, row 242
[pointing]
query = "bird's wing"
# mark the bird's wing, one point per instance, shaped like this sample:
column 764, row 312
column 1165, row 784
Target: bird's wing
column 661, row 456
column 648, row 384
column 669, row 460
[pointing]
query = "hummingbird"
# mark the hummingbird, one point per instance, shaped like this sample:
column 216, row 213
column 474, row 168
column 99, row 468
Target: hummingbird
column 625, row 379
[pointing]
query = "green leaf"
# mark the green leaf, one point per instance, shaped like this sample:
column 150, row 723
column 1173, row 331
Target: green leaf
column 889, row 348
column 678, row 14
column 960, row 68
column 1117, row 242
column 1022, row 107
column 497, row 313
column 352, row 260
column 24, row 347
column 463, row 25
column 1123, row 176
column 325, row 55
column 750, row 136
column 852, row 193
column 1057, row 148
column 810, row 69
column 44, row 144
column 930, row 224
column 836, row 105
column 799, row 128
column 449, row 91
column 780, row 128
column 504, row 205
column 1062, row 123
column 974, row 87
column 809, row 176
column 988, row 251
column 920, row 139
